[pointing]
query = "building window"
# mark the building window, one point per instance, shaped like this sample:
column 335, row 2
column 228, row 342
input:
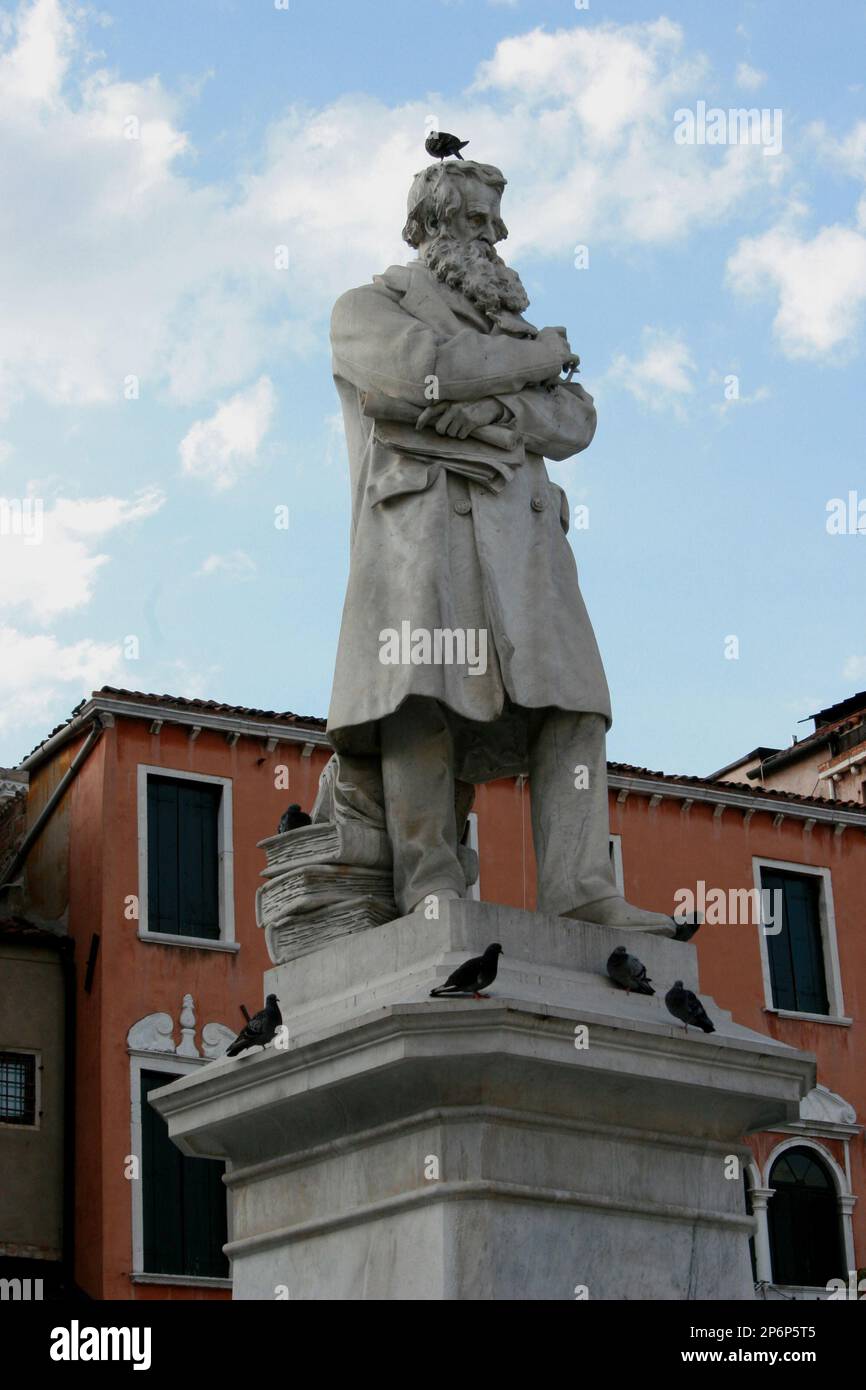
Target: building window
column 17, row 1088
column 796, row 952
column 184, row 1223
column 185, row 860
column 803, row 1218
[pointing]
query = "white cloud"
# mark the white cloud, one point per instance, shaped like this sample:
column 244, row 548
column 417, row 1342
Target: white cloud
column 758, row 396
column 48, row 559
column 855, row 668
column 32, row 71
column 749, row 77
column 588, row 139
column 221, row 449
column 237, row 565
column 820, row 283
column 174, row 279
column 661, row 376
column 38, row 672
column 847, row 153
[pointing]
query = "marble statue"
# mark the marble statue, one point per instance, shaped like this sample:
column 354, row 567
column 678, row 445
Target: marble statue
column 466, row 652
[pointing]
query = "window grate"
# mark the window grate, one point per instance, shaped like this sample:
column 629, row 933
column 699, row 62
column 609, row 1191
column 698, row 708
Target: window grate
column 17, row 1088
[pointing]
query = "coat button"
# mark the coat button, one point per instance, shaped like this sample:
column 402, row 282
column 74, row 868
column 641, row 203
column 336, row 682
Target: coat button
column 463, row 507
column 538, row 503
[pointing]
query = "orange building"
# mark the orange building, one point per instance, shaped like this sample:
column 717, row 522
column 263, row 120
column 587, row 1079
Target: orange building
column 143, row 816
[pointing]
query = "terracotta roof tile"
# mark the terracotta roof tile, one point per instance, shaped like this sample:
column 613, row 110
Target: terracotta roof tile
column 310, row 721
column 627, row 770
column 313, row 722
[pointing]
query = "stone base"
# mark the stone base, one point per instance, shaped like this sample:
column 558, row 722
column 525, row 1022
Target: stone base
column 556, row 1137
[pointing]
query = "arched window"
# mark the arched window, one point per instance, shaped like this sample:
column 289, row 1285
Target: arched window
column 747, row 1192
column 805, row 1231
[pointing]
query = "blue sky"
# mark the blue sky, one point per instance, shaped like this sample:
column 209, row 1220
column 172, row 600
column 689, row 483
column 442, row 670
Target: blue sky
column 154, row 155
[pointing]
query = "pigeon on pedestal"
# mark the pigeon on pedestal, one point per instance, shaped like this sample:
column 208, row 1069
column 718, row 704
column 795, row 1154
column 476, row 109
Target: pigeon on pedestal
column 472, row 976
column 293, row 818
column 628, row 972
column 260, row 1030
column 687, row 1007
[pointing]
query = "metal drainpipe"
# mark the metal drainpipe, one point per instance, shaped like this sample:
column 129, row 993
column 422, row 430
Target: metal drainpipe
column 53, row 801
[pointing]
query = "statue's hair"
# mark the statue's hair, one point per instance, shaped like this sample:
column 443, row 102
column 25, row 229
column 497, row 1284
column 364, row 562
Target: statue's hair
column 435, row 195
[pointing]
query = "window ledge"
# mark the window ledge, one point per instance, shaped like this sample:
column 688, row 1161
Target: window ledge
column 199, row 943
column 837, row 1019
column 817, row 1293
column 188, row 1281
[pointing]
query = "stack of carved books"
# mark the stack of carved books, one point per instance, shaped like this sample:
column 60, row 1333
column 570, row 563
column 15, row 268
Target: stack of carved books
column 324, row 880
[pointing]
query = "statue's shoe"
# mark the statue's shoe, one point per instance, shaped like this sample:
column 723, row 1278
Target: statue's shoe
column 622, row 916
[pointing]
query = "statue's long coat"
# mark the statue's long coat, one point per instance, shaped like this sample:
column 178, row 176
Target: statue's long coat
column 442, row 552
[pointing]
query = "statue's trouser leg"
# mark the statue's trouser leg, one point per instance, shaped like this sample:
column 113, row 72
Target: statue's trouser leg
column 418, row 782
column 570, row 823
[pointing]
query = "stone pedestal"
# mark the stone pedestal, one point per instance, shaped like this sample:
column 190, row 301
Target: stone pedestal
column 560, row 1136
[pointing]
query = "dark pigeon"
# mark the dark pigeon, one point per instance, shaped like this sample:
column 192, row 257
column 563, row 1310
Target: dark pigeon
column 688, row 1008
column 473, row 975
column 260, row 1030
column 628, row 972
column 440, row 144
column 293, row 818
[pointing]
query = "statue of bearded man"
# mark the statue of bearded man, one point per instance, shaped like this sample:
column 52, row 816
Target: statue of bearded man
column 465, row 652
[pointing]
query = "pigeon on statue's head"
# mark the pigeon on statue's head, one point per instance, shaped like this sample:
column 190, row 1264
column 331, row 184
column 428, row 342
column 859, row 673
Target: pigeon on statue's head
column 473, row 975
column 260, row 1030
column 440, row 144
column 628, row 972
column 687, row 1007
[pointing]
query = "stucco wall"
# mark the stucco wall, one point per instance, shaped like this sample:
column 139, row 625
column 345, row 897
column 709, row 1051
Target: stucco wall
column 31, row 1159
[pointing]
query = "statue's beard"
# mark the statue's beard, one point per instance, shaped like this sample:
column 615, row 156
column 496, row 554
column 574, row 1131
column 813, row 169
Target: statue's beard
column 474, row 268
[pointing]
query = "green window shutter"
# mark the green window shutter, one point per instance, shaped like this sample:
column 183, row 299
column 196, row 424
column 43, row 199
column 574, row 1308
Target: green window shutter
column 807, row 950
column 796, row 953
column 162, row 855
column 184, row 1200
column 183, row 857
column 198, row 825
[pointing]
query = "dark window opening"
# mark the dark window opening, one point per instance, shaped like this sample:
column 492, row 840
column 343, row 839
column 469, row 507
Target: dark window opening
column 747, row 1192
column 184, row 1200
column 804, row 1223
column 183, row 857
column 796, row 953
column 17, row 1088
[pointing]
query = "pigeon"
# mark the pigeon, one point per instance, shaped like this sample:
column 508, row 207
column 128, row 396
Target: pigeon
column 293, row 818
column 440, row 144
column 628, row 972
column 688, row 1008
column 473, row 975
column 260, row 1030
